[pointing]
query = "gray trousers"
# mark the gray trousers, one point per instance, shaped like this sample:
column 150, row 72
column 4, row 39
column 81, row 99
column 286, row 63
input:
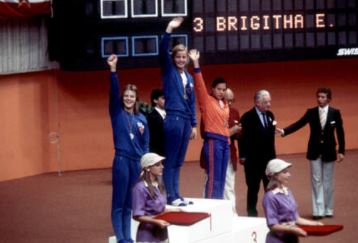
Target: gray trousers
column 322, row 187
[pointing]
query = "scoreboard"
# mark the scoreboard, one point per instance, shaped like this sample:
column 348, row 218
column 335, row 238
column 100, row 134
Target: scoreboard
column 84, row 32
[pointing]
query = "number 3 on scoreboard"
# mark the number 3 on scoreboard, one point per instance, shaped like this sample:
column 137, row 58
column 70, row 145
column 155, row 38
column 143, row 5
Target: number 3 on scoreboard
column 198, row 24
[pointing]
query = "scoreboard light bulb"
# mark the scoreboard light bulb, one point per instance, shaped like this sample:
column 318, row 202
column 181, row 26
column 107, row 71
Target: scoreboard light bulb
column 320, row 20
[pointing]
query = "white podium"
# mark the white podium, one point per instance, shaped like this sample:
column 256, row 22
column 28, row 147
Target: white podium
column 218, row 224
column 249, row 230
column 222, row 226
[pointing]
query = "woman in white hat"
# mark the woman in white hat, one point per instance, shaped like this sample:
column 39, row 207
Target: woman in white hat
column 280, row 206
column 149, row 200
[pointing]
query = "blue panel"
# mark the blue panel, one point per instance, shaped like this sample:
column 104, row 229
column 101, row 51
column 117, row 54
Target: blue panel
column 114, row 45
column 145, row 45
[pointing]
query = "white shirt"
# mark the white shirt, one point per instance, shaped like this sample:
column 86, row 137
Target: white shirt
column 324, row 109
column 161, row 112
column 184, row 79
column 259, row 113
column 283, row 190
column 325, row 112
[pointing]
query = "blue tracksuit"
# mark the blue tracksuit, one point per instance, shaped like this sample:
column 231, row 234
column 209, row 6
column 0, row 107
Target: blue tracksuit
column 216, row 152
column 180, row 118
column 126, row 162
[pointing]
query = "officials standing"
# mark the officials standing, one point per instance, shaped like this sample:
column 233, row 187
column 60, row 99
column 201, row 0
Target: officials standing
column 324, row 121
column 257, row 146
column 156, row 122
column 234, row 131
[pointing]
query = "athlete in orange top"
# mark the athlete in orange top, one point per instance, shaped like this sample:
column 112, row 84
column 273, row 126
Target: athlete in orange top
column 215, row 116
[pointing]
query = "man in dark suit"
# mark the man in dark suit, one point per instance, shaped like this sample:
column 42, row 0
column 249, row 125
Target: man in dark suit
column 324, row 122
column 257, row 146
column 156, row 121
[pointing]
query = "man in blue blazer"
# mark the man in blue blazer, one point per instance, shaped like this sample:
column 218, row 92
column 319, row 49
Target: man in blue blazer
column 324, row 122
column 257, row 146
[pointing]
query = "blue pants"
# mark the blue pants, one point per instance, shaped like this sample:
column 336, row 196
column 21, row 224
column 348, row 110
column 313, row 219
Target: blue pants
column 216, row 154
column 177, row 132
column 125, row 173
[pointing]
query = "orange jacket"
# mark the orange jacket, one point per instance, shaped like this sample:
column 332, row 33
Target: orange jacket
column 215, row 118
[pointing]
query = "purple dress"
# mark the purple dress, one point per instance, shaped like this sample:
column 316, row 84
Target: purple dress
column 144, row 205
column 280, row 207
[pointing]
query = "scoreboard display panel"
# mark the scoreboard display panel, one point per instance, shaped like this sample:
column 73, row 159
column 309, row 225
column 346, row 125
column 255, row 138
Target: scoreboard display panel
column 85, row 32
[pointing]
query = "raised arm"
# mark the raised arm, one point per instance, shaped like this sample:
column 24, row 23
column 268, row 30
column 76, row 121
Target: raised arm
column 194, row 55
column 165, row 58
column 200, row 88
column 114, row 98
column 112, row 63
column 173, row 24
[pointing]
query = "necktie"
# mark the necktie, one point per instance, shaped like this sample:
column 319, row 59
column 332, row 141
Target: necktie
column 264, row 118
column 322, row 117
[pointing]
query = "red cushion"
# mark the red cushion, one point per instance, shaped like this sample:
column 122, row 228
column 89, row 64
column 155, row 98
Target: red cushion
column 182, row 218
column 320, row 230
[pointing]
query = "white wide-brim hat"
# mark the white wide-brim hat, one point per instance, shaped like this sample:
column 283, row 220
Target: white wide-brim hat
column 275, row 166
column 150, row 159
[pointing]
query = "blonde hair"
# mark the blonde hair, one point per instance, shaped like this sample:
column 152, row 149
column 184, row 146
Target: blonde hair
column 178, row 48
column 273, row 183
column 146, row 177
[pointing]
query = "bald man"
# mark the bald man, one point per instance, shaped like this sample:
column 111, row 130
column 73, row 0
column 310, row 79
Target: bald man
column 234, row 129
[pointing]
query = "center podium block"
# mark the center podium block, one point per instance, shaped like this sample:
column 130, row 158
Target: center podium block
column 216, row 223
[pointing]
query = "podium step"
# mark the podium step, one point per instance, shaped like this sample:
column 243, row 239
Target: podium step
column 249, row 229
column 221, row 226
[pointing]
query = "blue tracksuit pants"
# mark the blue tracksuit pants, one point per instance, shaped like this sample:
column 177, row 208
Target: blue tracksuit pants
column 125, row 173
column 177, row 132
column 216, row 154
